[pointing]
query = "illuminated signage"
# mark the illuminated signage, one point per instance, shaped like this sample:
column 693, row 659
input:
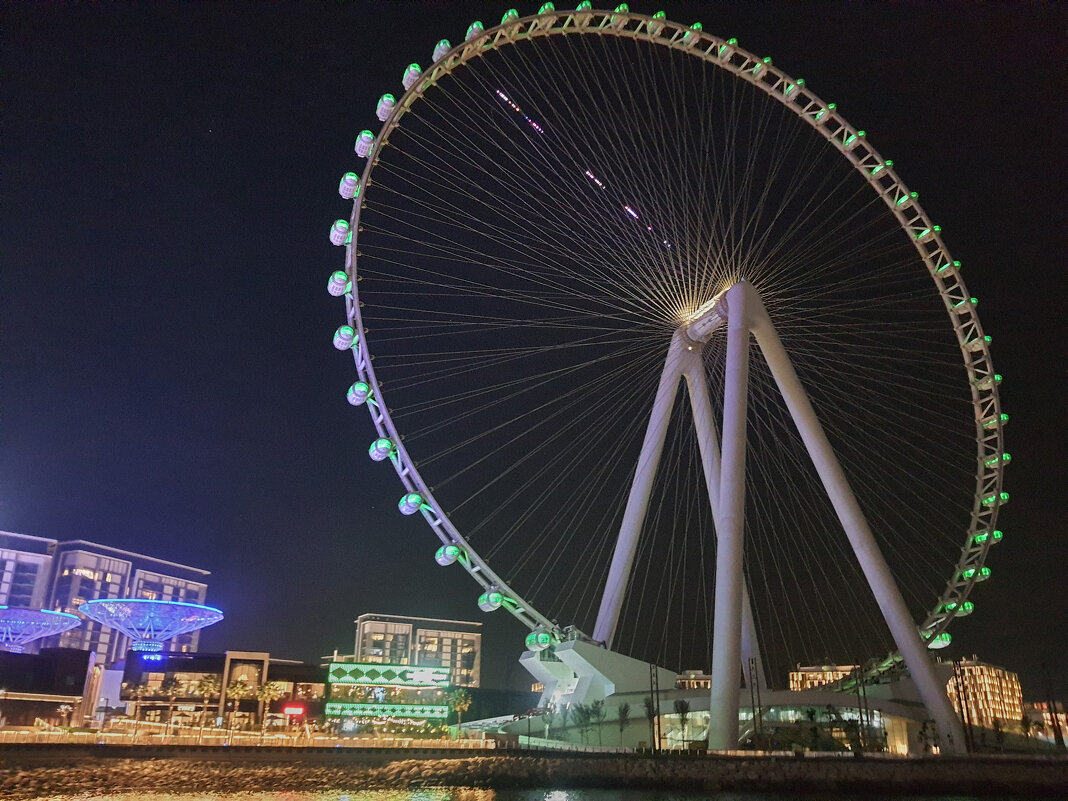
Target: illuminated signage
column 338, row 709
column 293, row 710
column 388, row 675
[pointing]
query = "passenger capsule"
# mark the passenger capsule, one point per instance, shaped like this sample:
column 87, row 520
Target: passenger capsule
column 926, row 234
column 965, row 306
column 981, row 574
column 906, row 200
column 988, row 381
column 1001, row 458
column 547, row 8
column 791, row 89
column 410, row 503
column 349, row 186
column 761, row 67
column 539, row 640
column 358, row 393
column 940, row 641
column 440, row 49
column 447, row 554
column 345, row 337
column 381, row 449
column 853, row 140
column 693, row 34
column 412, row 73
column 994, row 420
column 983, row 537
column 490, row 600
column 960, row 610
column 338, row 284
column 474, row 30
column 997, row 499
column 365, row 143
column 977, row 344
column 339, row 232
column 825, row 114
column 511, row 15
column 726, row 50
column 385, row 106
column 949, row 268
column 657, row 23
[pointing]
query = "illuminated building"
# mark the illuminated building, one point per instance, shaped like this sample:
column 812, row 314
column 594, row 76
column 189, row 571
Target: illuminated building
column 24, row 568
column 369, row 694
column 455, row 645
column 42, row 573
column 991, row 693
column 808, row 677
column 693, row 680
column 152, row 680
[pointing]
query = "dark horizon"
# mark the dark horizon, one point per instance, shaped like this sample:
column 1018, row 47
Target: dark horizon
column 170, row 387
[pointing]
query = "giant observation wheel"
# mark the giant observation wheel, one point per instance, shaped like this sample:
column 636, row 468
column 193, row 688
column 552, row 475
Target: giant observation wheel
column 552, row 227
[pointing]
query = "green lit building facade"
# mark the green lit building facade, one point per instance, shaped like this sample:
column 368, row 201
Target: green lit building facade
column 371, row 697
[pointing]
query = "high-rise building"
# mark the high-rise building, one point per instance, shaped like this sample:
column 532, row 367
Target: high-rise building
column 423, row 642
column 24, row 569
column 989, row 692
column 36, row 572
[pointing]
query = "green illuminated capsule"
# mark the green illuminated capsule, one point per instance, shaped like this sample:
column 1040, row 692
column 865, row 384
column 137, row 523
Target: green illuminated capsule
column 965, row 306
column 726, row 50
column 853, row 140
column 994, row 420
column 547, row 8
column 509, row 16
column 657, row 24
column 410, row 503
column 338, row 284
column 345, row 337
column 880, row 167
column 693, row 34
column 790, row 90
column 585, row 5
column 761, row 67
column 447, row 554
column 538, row 640
column 927, row 234
column 960, row 610
column 349, row 186
column 824, row 114
column 339, row 232
column 490, row 600
column 358, row 393
column 385, row 107
column 993, row 537
column 365, row 143
column 412, row 74
column 474, row 30
column 441, row 48
column 988, row 381
column 977, row 344
column 381, row 449
column 622, row 8
column 1003, row 458
column 997, row 499
column 982, row 574
column 940, row 641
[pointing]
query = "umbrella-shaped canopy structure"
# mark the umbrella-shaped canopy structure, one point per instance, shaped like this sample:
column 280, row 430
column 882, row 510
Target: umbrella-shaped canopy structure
column 149, row 624
column 19, row 626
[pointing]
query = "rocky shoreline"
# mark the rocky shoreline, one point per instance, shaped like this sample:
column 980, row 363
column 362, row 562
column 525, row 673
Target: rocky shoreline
column 975, row 777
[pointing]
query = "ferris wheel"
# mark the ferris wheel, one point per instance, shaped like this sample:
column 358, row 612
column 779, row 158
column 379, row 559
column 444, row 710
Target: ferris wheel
column 647, row 325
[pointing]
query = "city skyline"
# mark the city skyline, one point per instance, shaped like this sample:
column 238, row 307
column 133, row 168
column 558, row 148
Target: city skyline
column 170, row 383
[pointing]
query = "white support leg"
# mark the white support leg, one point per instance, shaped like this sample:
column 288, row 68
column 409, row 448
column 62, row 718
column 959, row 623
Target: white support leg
column 895, row 612
column 708, row 443
column 634, row 515
column 726, row 643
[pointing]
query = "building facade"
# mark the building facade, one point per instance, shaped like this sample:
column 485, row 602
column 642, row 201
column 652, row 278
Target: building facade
column 455, row 645
column 808, row 677
column 988, row 692
column 41, row 573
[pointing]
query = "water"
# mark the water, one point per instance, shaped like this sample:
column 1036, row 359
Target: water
column 461, row 794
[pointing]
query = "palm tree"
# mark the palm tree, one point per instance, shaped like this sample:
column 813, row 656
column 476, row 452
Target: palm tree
column 137, row 691
column 682, row 709
column 266, row 693
column 459, row 701
column 207, row 687
column 650, row 715
column 581, row 714
column 1026, row 727
column 597, row 715
column 170, row 688
column 236, row 691
column 623, row 715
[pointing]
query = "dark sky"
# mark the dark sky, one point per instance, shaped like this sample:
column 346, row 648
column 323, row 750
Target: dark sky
column 169, row 175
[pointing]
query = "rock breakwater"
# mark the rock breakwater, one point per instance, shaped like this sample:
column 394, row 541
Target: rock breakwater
column 978, row 777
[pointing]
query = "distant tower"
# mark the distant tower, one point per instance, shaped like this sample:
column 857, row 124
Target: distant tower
column 19, row 626
column 149, row 624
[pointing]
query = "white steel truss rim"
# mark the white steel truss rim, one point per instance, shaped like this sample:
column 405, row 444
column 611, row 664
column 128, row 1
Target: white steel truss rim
column 832, row 126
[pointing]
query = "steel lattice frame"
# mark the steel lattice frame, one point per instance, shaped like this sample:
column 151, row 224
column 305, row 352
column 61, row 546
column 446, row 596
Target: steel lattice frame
column 150, row 623
column 853, row 145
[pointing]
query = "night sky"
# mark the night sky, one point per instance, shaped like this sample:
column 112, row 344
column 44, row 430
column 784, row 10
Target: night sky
column 169, row 177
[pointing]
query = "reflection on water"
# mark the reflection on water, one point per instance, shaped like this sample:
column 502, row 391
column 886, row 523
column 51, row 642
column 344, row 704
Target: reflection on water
column 463, row 794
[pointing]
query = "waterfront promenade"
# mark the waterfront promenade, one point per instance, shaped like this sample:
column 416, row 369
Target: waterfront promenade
column 31, row 771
